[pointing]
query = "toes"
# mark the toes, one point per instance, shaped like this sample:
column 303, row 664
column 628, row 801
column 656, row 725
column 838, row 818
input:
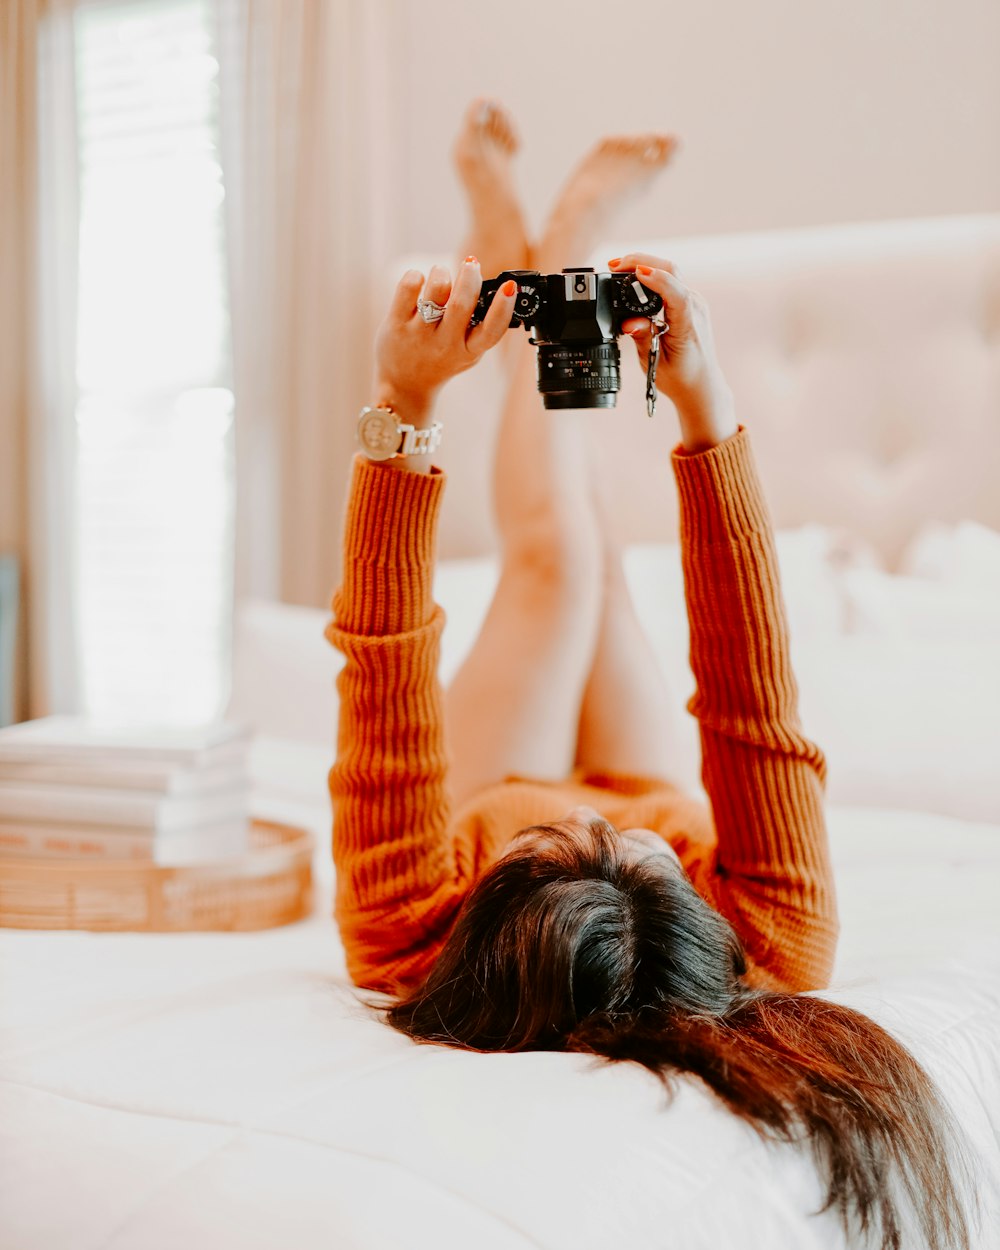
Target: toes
column 499, row 124
column 477, row 113
column 649, row 148
column 475, row 124
column 487, row 124
column 506, row 130
column 484, row 113
column 658, row 148
column 653, row 148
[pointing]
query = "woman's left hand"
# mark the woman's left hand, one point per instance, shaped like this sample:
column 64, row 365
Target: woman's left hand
column 414, row 359
column 689, row 372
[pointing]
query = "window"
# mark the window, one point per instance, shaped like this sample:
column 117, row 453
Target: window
column 155, row 469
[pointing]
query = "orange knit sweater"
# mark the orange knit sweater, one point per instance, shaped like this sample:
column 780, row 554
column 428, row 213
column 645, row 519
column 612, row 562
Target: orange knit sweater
column 405, row 861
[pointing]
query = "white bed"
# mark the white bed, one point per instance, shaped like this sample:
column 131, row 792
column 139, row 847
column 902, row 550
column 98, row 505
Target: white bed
column 216, row 1091
column 232, row 1090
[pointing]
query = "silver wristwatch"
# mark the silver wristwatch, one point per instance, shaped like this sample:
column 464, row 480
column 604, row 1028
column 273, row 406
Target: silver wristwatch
column 382, row 436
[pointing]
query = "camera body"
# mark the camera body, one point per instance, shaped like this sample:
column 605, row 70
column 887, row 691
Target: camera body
column 576, row 317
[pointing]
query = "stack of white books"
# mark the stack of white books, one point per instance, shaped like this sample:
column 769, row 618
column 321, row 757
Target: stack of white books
column 73, row 788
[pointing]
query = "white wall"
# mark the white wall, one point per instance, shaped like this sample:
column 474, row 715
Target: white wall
column 793, row 112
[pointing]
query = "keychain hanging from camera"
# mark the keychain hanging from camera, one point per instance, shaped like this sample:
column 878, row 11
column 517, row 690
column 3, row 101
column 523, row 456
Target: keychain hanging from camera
column 658, row 328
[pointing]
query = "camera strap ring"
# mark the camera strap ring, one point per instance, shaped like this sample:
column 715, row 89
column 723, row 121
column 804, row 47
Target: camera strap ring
column 658, row 328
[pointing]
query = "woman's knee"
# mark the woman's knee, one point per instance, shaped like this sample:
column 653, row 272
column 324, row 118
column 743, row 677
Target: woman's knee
column 550, row 565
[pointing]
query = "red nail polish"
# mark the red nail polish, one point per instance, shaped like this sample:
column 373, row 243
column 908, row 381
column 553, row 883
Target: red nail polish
column 644, row 270
column 472, row 260
column 617, row 261
column 509, row 287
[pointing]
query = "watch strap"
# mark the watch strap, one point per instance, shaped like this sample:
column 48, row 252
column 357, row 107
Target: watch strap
column 420, row 442
column 382, row 436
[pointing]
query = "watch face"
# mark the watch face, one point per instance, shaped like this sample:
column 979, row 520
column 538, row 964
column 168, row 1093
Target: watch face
column 379, row 435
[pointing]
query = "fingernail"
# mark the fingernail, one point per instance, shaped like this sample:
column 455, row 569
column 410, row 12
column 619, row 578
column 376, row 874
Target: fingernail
column 471, row 260
column 412, row 275
column 509, row 287
column 616, row 261
column 644, row 270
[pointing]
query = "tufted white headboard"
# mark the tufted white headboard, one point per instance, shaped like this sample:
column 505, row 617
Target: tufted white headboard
column 865, row 360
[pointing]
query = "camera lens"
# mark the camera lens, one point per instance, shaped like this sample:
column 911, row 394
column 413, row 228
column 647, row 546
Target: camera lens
column 579, row 375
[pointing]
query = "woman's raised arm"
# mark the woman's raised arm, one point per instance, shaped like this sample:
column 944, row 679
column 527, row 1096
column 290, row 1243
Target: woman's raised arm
column 764, row 779
column 414, row 359
column 399, row 882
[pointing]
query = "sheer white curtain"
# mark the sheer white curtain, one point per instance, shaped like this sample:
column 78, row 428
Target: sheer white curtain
column 37, row 342
column 308, row 98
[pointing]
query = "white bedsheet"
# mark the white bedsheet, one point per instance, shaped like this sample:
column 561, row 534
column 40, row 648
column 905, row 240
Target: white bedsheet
column 216, row 1091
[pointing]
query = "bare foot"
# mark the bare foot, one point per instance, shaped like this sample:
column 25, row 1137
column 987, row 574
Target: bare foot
column 614, row 172
column 483, row 152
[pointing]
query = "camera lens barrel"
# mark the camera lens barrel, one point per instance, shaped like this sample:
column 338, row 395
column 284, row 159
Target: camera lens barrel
column 579, row 375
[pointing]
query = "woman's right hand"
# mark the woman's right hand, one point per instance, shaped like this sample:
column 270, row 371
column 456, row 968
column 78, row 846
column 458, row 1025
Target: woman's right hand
column 414, row 359
column 688, row 372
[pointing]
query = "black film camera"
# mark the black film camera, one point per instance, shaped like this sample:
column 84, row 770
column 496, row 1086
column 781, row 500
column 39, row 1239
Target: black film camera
column 576, row 317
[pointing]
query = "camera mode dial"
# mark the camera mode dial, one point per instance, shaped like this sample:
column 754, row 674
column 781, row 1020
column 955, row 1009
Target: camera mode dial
column 527, row 302
column 636, row 298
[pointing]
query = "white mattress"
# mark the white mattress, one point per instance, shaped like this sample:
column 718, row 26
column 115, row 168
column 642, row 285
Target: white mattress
column 216, row 1091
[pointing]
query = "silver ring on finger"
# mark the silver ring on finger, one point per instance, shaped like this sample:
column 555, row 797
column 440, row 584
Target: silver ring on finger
column 429, row 310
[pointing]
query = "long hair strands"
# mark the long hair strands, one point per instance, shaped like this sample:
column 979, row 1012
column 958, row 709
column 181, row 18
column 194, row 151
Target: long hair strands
column 564, row 946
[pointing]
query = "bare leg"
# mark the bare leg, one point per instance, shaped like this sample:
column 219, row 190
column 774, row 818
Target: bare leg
column 483, row 153
column 630, row 717
column 615, row 171
column 515, row 705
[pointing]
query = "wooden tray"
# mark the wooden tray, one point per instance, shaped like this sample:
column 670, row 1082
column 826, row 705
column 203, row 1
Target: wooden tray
column 271, row 885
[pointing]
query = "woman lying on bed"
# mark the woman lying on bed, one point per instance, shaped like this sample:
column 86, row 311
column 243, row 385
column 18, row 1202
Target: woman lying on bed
column 539, row 883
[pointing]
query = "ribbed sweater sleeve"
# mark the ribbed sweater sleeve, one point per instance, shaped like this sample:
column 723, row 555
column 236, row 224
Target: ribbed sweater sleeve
column 399, row 884
column 764, row 779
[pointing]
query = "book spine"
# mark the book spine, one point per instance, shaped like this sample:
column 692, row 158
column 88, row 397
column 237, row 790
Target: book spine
column 138, row 810
column 13, row 750
column 180, row 782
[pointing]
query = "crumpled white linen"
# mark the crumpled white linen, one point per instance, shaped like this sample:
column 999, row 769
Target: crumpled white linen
column 232, row 1090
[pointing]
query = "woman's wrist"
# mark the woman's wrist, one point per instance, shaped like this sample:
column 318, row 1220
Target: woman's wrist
column 412, row 408
column 707, row 417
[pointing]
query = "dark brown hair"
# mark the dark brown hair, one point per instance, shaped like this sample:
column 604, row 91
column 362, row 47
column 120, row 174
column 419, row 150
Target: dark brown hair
column 576, row 947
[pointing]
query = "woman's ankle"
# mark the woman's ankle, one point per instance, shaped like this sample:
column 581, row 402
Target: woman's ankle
column 557, row 249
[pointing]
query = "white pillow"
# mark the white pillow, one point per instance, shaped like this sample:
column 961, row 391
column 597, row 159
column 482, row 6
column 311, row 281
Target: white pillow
column 966, row 554
column 811, row 561
column 909, row 718
column 464, row 589
column 284, row 672
column 894, row 606
column 906, row 723
column 284, row 669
